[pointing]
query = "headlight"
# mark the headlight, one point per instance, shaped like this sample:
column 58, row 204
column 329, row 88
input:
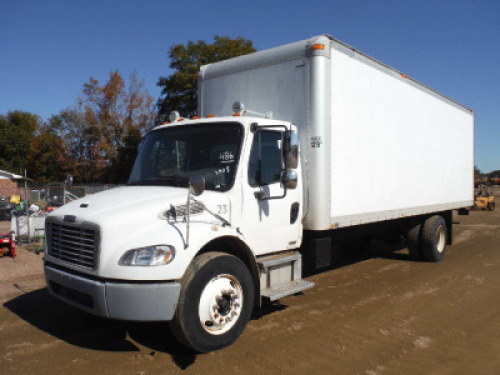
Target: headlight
column 148, row 256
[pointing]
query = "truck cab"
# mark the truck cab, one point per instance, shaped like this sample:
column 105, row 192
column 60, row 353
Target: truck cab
column 206, row 201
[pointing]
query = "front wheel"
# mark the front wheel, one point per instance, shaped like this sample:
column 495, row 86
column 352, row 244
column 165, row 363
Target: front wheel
column 215, row 303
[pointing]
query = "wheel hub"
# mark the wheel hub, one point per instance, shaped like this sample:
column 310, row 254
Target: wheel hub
column 224, row 304
column 440, row 239
column 220, row 304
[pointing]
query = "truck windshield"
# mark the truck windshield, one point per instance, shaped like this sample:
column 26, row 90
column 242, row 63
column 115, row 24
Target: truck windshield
column 170, row 156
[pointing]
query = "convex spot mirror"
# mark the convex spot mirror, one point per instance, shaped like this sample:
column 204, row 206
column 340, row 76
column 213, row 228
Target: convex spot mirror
column 197, row 184
column 288, row 179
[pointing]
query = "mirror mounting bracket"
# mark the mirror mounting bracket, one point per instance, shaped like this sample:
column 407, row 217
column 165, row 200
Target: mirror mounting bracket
column 196, row 188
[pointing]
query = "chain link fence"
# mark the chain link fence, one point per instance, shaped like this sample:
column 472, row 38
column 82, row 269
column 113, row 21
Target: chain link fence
column 37, row 200
column 56, row 195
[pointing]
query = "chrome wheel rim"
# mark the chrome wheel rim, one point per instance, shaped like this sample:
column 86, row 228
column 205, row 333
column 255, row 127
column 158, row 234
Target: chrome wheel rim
column 220, row 306
column 440, row 239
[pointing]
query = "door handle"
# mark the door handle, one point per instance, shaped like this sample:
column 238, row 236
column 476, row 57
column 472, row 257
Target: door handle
column 294, row 212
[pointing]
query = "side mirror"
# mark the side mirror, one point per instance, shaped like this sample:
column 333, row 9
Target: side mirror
column 197, row 185
column 291, row 150
column 293, row 153
column 289, row 178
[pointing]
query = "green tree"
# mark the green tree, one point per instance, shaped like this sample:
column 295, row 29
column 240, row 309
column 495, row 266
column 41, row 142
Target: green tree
column 178, row 90
column 46, row 160
column 16, row 131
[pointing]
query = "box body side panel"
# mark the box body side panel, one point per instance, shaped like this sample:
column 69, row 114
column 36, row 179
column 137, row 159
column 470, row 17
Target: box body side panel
column 396, row 149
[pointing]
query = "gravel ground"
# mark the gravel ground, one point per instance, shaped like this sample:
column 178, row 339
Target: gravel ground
column 379, row 314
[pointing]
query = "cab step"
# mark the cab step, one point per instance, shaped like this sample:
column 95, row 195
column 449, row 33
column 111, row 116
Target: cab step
column 281, row 275
column 288, row 289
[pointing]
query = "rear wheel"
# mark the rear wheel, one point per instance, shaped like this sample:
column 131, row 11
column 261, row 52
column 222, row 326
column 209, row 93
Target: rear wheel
column 215, row 303
column 491, row 206
column 434, row 238
column 414, row 241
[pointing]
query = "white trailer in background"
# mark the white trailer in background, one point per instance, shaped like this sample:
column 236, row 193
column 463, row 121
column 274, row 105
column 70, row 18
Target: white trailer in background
column 381, row 156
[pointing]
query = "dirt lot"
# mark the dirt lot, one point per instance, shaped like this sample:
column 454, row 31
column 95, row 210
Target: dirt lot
column 379, row 314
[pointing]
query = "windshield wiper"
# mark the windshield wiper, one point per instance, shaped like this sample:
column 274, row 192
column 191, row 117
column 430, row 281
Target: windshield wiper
column 176, row 177
column 161, row 181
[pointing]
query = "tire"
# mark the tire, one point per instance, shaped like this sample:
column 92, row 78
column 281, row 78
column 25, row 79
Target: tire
column 215, row 303
column 491, row 206
column 434, row 238
column 414, row 241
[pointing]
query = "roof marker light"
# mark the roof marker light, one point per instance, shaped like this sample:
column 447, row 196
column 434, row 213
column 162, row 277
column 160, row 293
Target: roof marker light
column 174, row 116
column 403, row 75
column 238, row 107
column 210, row 115
column 194, row 118
column 318, row 46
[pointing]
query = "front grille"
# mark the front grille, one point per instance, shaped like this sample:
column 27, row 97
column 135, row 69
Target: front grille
column 75, row 244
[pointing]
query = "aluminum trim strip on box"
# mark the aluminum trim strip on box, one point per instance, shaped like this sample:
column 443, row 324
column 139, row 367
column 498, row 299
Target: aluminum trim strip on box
column 372, row 217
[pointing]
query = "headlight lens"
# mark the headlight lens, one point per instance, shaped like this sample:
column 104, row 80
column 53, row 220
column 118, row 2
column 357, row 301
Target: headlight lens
column 148, row 256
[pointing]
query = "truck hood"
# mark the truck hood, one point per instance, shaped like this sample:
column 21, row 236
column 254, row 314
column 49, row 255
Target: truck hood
column 133, row 217
column 129, row 203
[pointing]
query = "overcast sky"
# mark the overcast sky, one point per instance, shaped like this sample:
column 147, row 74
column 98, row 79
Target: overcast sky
column 48, row 49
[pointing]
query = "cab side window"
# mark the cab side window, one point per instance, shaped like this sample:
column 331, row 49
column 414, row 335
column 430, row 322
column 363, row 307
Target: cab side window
column 265, row 159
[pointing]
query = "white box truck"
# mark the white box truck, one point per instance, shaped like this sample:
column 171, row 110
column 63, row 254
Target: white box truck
column 297, row 149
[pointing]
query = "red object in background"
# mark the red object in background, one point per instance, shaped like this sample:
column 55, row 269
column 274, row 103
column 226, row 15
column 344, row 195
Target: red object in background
column 6, row 241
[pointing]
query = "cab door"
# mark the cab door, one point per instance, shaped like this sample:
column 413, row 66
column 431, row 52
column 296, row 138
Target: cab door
column 271, row 214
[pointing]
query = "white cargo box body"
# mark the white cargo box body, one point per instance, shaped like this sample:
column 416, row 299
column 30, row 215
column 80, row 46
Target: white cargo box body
column 377, row 144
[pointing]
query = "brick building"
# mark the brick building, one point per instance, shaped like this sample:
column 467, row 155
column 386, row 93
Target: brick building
column 8, row 183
